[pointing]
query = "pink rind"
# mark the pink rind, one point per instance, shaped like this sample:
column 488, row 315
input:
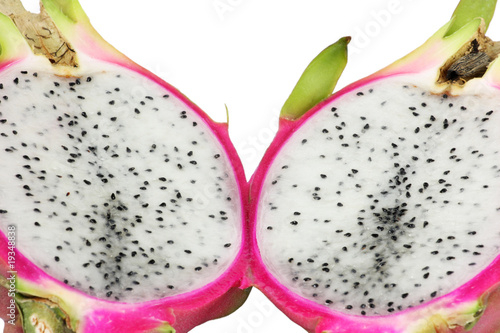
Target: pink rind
column 8, row 63
column 318, row 318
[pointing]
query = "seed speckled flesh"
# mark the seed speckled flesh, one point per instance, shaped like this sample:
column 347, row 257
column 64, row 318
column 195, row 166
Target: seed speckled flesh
column 386, row 199
column 116, row 188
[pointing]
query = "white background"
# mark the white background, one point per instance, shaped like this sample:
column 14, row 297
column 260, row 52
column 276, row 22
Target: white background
column 248, row 55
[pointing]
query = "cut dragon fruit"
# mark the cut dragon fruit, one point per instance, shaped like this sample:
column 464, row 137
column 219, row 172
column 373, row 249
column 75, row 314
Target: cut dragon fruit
column 121, row 202
column 377, row 210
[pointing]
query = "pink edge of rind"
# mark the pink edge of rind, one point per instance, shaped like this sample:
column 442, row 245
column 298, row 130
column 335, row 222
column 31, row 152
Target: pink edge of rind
column 9, row 62
column 320, row 318
column 183, row 311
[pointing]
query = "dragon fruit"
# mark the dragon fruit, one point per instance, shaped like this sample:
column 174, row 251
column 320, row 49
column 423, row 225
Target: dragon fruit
column 376, row 209
column 121, row 202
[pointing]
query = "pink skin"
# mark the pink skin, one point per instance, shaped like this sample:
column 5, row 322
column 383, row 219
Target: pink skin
column 8, row 63
column 182, row 312
column 317, row 318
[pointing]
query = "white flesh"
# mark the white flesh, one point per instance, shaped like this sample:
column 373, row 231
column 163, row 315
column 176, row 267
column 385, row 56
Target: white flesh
column 125, row 194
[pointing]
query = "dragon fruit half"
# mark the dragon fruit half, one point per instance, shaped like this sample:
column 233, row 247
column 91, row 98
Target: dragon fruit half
column 378, row 209
column 121, row 202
